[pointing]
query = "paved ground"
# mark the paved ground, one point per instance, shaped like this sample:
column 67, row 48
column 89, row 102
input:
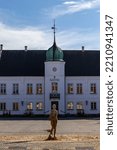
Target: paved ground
column 32, row 135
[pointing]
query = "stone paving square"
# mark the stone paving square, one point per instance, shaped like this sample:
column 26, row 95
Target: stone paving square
column 81, row 134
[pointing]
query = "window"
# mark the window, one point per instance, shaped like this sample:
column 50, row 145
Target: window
column 79, row 88
column 93, row 106
column 29, row 106
column 29, row 88
column 70, row 88
column 39, row 106
column 54, row 87
column 2, row 88
column 70, row 105
column 93, row 88
column 15, row 106
column 2, row 106
column 39, row 88
column 15, row 88
column 79, row 106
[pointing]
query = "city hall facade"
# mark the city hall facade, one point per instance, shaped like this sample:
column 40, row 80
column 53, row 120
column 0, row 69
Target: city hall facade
column 31, row 81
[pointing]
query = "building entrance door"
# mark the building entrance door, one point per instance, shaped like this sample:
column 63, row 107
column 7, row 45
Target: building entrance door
column 56, row 103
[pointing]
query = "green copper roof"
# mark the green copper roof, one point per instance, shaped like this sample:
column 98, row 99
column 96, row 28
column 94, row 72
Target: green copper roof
column 54, row 53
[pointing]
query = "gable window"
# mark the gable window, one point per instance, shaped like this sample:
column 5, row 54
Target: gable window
column 15, row 88
column 39, row 88
column 15, row 106
column 54, row 87
column 70, row 88
column 79, row 88
column 93, row 88
column 70, row 105
column 2, row 89
column 39, row 106
column 93, row 106
column 29, row 88
column 2, row 106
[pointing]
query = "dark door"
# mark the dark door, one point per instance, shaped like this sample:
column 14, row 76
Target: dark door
column 56, row 103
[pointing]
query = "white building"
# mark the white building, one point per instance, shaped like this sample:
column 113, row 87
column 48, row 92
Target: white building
column 32, row 80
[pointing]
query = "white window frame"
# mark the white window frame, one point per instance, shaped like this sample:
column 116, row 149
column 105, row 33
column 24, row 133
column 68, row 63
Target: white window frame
column 29, row 106
column 70, row 107
column 2, row 106
column 15, row 106
column 39, row 106
column 93, row 88
column 2, row 89
column 15, row 88
column 39, row 88
column 70, row 88
column 93, row 106
column 29, row 88
column 79, row 105
column 54, row 87
column 79, row 88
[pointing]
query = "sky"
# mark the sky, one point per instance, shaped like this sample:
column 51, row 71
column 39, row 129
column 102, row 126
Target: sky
column 29, row 22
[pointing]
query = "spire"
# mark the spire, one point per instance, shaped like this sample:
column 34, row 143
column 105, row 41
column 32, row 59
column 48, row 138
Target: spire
column 54, row 31
column 54, row 44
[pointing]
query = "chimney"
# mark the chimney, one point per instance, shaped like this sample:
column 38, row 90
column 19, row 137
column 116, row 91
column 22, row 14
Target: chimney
column 26, row 48
column 82, row 48
column 1, row 47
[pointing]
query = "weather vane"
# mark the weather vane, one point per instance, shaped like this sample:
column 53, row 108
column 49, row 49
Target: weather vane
column 54, row 30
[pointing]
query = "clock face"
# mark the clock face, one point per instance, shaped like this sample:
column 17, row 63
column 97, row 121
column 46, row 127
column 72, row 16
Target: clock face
column 54, row 69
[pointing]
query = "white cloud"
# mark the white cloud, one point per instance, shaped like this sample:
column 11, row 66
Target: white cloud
column 36, row 38
column 77, row 38
column 70, row 7
column 69, row 2
column 17, row 38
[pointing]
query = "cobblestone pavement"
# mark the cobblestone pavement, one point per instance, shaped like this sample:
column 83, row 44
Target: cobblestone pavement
column 47, row 146
column 31, row 135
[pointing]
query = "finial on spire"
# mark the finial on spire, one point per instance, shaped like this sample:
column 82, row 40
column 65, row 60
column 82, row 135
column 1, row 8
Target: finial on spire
column 54, row 31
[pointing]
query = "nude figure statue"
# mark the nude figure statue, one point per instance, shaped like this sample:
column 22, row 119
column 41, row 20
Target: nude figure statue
column 53, row 119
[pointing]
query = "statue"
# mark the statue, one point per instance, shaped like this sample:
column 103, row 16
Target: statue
column 53, row 119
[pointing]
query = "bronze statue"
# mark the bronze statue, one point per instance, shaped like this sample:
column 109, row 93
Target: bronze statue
column 53, row 119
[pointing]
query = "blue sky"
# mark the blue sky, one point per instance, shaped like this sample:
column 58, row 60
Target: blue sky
column 29, row 22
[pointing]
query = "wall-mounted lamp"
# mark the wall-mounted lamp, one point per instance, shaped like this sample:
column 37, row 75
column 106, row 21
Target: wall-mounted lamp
column 86, row 102
column 22, row 103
